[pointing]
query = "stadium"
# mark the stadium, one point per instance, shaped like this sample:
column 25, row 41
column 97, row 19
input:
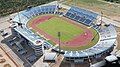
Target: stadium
column 74, row 32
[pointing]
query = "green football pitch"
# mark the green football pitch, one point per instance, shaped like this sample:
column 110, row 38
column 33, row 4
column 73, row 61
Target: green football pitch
column 69, row 29
column 56, row 24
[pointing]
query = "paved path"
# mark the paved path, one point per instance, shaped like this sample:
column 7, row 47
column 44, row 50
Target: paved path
column 6, row 57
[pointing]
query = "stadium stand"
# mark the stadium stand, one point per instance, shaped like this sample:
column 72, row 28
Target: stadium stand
column 95, row 51
column 108, row 33
column 26, row 15
column 81, row 15
column 103, row 46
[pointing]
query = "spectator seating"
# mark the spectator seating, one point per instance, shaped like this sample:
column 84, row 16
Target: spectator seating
column 108, row 33
column 39, row 10
column 103, row 46
column 81, row 15
column 99, row 49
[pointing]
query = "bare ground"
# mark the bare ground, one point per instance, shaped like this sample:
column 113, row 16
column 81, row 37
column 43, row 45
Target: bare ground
column 118, row 38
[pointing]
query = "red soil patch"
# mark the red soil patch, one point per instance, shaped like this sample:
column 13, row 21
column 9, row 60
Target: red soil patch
column 82, row 39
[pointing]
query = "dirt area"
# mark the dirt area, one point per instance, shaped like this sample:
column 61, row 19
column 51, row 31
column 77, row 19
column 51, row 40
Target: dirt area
column 118, row 38
column 6, row 60
column 4, row 25
column 116, row 18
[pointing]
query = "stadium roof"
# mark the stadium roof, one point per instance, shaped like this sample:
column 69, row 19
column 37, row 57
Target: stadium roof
column 111, row 58
column 50, row 56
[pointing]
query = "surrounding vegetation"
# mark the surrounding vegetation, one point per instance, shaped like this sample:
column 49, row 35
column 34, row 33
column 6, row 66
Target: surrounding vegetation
column 12, row 6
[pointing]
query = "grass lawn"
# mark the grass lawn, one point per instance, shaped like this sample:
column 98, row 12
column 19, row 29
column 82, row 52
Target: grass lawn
column 55, row 25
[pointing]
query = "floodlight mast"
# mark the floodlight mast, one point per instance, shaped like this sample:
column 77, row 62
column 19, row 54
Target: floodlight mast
column 59, row 35
column 101, row 17
column 19, row 19
column 94, row 36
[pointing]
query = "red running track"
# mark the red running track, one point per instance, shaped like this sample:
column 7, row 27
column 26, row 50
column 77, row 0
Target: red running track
column 82, row 39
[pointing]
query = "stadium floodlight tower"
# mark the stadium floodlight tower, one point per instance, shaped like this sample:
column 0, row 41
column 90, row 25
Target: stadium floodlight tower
column 101, row 22
column 59, row 35
column 101, row 17
column 19, row 23
column 94, row 36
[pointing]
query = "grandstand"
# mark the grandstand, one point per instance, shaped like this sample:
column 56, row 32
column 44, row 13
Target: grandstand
column 81, row 16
